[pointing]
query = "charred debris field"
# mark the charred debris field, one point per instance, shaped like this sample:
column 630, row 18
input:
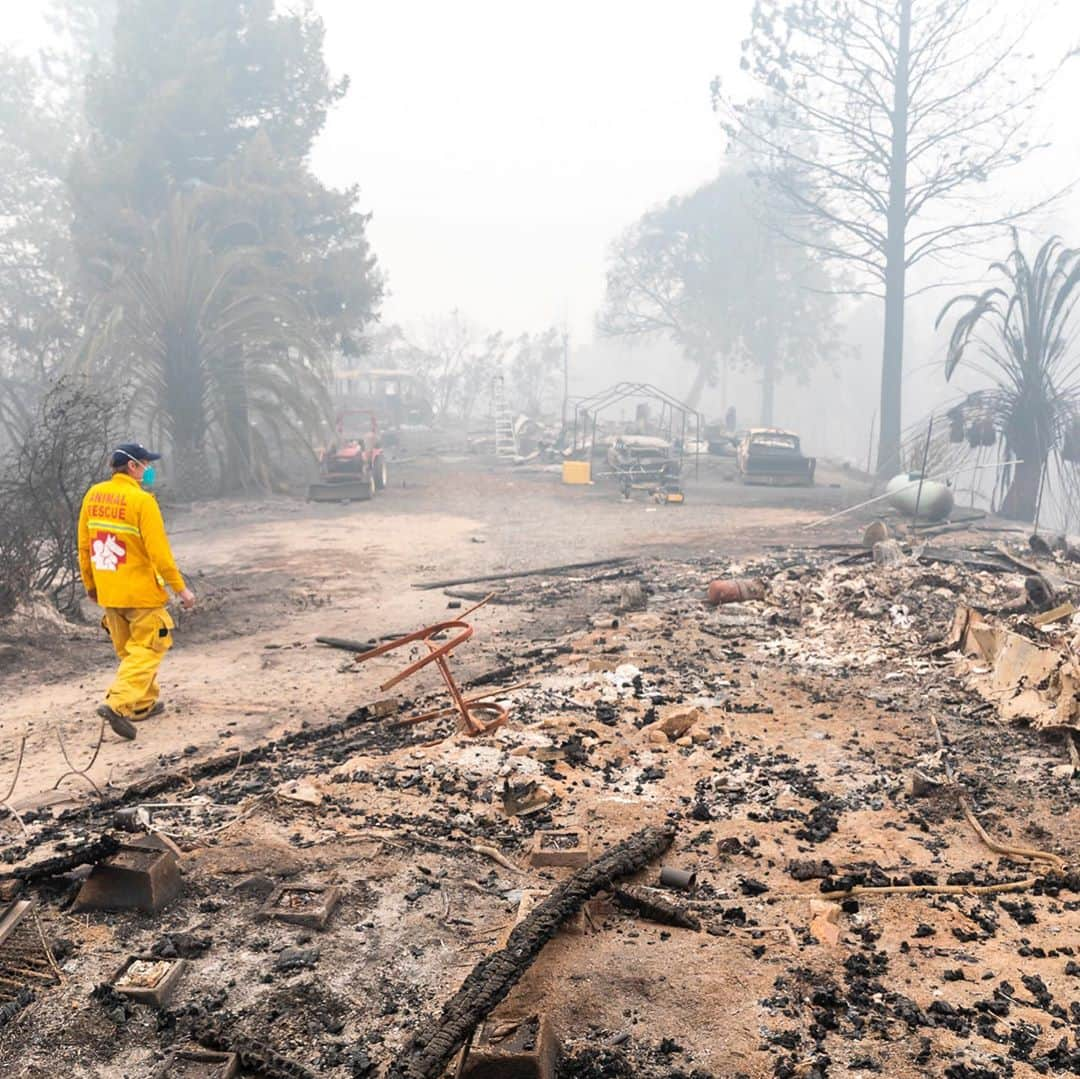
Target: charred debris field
column 830, row 828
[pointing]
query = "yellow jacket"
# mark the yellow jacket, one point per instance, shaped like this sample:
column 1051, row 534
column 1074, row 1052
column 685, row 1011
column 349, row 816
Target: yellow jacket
column 124, row 554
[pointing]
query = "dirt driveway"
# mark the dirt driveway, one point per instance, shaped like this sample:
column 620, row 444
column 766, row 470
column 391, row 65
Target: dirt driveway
column 271, row 575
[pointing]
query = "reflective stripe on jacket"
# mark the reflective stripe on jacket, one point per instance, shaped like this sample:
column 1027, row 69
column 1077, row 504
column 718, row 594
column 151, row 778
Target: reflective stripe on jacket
column 124, row 554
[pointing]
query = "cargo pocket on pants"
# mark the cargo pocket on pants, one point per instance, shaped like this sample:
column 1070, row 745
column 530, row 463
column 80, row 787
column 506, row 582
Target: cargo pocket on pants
column 156, row 629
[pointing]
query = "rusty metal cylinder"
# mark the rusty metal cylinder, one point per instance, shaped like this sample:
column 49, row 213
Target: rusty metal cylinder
column 736, row 590
column 682, row 879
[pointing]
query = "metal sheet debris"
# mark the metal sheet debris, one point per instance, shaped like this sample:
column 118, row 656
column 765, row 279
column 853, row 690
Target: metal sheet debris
column 1022, row 678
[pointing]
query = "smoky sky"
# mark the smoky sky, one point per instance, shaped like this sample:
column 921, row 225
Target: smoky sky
column 500, row 146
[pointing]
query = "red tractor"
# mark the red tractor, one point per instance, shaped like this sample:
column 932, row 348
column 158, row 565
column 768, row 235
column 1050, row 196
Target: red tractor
column 353, row 467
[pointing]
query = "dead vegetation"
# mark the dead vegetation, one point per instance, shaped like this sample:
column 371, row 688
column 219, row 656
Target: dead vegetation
column 59, row 452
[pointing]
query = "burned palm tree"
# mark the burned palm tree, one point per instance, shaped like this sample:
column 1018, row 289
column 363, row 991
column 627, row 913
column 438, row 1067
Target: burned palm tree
column 1019, row 335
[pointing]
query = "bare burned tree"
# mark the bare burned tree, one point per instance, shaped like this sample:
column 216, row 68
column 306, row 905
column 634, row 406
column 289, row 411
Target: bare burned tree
column 647, row 297
column 880, row 123
column 456, row 359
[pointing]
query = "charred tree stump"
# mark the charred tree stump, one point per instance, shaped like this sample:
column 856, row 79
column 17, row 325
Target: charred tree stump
column 432, row 1047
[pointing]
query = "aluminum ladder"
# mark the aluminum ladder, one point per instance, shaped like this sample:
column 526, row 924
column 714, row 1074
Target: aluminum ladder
column 505, row 443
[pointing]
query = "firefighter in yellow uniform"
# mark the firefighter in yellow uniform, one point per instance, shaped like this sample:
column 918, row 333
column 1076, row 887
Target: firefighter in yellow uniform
column 125, row 561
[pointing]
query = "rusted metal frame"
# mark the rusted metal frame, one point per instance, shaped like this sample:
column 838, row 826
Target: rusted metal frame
column 455, row 693
column 441, row 713
column 470, row 711
column 620, row 392
column 413, row 638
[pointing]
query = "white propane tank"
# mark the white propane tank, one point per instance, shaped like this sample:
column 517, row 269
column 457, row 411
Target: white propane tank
column 935, row 502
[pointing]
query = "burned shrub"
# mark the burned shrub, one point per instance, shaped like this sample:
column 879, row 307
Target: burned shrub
column 62, row 450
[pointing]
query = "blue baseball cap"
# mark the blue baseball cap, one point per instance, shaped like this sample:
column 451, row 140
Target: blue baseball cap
column 132, row 451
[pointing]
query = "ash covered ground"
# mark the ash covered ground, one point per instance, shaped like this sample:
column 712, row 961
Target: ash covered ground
column 816, row 751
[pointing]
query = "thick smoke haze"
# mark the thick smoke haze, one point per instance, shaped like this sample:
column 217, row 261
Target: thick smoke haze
column 501, row 148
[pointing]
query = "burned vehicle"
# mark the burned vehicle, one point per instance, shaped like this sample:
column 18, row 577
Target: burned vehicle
column 771, row 455
column 644, row 462
column 395, row 397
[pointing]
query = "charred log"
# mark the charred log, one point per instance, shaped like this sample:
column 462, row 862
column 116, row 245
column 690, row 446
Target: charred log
column 162, row 782
column 432, row 1047
column 518, row 574
column 655, row 907
column 86, row 854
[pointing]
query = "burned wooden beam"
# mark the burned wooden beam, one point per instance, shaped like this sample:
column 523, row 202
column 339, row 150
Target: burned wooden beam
column 509, row 670
column 499, row 674
column 347, row 645
column 85, row 854
column 517, row 574
column 656, row 907
column 432, row 1047
column 161, row 782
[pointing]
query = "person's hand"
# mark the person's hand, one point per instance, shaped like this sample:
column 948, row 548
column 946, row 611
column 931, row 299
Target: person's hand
column 91, row 594
column 187, row 599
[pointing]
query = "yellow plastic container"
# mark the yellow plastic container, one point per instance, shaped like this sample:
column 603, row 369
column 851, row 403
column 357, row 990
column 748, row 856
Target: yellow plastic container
column 577, row 472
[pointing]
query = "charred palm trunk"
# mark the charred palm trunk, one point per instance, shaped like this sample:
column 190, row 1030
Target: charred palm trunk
column 185, row 404
column 1029, row 438
column 1023, row 494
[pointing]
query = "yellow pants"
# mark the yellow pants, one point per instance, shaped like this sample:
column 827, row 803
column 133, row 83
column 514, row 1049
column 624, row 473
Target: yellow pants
column 141, row 637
